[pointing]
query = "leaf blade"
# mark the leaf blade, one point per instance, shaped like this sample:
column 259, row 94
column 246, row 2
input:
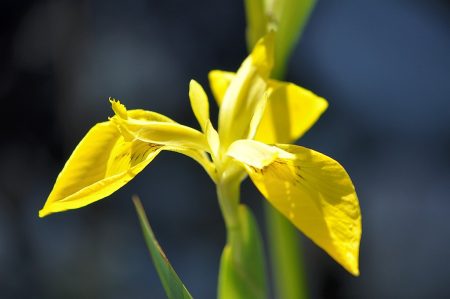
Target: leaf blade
column 171, row 282
column 242, row 269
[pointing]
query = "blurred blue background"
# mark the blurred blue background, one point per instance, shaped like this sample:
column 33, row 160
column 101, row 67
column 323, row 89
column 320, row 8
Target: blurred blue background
column 383, row 65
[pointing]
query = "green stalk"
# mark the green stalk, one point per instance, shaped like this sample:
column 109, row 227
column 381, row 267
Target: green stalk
column 288, row 18
column 242, row 271
column 228, row 196
column 286, row 256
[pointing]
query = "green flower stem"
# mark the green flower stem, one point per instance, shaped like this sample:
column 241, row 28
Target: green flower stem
column 286, row 256
column 228, row 196
column 284, row 245
column 242, row 271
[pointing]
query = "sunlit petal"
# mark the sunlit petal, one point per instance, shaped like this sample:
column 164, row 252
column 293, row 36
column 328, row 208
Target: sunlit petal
column 290, row 109
column 199, row 103
column 159, row 130
column 245, row 92
column 112, row 153
column 101, row 163
column 257, row 117
column 219, row 82
column 213, row 139
column 290, row 112
column 314, row 192
column 255, row 154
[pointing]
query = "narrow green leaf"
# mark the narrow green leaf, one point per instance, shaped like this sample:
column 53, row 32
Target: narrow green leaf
column 172, row 284
column 242, row 268
column 287, row 17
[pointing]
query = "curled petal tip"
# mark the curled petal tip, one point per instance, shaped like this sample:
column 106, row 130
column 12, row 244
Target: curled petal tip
column 119, row 109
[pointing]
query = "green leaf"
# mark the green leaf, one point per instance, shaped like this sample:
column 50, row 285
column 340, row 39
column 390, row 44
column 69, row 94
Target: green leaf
column 242, row 268
column 172, row 284
column 287, row 17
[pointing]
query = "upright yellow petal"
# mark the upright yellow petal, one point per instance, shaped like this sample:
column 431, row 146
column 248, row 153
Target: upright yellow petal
column 101, row 163
column 245, row 92
column 290, row 111
column 263, row 54
column 213, row 140
column 199, row 103
column 219, row 82
column 258, row 114
column 315, row 193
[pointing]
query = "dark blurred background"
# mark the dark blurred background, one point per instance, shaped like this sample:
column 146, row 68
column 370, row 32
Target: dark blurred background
column 384, row 66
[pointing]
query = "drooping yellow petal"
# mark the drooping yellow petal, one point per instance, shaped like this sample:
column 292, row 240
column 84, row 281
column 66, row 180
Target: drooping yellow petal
column 245, row 92
column 315, row 193
column 101, row 163
column 199, row 103
column 290, row 109
column 111, row 154
column 290, row 112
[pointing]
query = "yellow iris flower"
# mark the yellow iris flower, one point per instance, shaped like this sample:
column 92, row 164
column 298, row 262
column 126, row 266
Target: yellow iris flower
column 256, row 114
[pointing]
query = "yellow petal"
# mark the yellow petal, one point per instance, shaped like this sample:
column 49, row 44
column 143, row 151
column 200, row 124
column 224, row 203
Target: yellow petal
column 145, row 115
column 111, row 154
column 172, row 134
column 316, row 194
column 245, row 92
column 199, row 103
column 290, row 111
column 152, row 127
column 263, row 54
column 101, row 163
column 257, row 117
column 255, row 154
column 219, row 82
column 213, row 139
